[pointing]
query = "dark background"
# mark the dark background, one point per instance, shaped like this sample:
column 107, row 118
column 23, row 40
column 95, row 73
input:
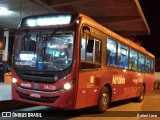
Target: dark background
column 151, row 9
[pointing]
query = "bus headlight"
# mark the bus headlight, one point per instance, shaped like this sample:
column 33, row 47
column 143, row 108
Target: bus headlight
column 67, row 86
column 14, row 80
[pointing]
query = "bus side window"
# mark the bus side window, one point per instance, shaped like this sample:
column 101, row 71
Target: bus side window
column 122, row 56
column 97, row 51
column 83, row 49
column 90, row 45
column 152, row 66
column 141, row 62
column 93, row 50
column 90, row 52
column 111, row 52
column 133, row 59
column 148, row 65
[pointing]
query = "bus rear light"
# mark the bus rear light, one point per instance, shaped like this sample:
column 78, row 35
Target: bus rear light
column 67, row 86
column 14, row 80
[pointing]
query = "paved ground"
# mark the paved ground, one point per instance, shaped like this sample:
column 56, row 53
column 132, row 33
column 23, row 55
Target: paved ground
column 5, row 91
column 149, row 109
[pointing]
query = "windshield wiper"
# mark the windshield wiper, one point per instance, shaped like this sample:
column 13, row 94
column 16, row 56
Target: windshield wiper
column 54, row 32
column 48, row 38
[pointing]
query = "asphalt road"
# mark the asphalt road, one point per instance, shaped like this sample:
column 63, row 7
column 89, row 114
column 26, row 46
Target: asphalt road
column 149, row 109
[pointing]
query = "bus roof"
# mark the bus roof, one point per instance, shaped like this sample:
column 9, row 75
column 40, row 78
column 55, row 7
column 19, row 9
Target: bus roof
column 110, row 33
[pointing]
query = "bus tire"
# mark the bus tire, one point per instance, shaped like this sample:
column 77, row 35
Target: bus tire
column 103, row 100
column 141, row 96
column 158, row 86
column 155, row 85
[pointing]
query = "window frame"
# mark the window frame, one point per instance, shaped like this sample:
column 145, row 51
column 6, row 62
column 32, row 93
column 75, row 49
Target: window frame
column 84, row 62
column 121, row 47
column 130, row 59
column 140, row 53
column 107, row 50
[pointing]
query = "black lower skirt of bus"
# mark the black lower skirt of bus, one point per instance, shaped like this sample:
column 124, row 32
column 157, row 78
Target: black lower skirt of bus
column 42, row 99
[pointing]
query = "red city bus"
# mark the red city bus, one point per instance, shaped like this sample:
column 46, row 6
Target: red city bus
column 69, row 61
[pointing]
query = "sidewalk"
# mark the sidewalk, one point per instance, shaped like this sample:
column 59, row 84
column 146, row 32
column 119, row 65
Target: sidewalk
column 6, row 102
column 5, row 91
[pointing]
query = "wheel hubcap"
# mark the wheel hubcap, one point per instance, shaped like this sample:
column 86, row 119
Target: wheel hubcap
column 142, row 94
column 104, row 101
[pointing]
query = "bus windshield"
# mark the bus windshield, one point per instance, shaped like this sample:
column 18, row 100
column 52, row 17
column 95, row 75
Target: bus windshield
column 42, row 50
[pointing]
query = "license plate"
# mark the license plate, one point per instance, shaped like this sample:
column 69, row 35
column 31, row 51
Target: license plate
column 36, row 95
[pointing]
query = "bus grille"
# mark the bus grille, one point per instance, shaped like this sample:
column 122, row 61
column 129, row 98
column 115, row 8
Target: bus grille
column 42, row 99
column 40, row 77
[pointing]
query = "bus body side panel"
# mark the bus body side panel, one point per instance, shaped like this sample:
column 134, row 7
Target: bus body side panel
column 115, row 78
column 88, row 88
column 149, row 82
column 124, row 84
column 134, row 81
column 88, row 79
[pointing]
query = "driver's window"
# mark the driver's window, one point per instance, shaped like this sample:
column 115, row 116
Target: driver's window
column 90, row 51
column 84, row 42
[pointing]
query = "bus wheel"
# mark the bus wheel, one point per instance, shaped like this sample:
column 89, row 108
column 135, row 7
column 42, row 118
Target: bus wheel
column 104, row 99
column 158, row 86
column 141, row 96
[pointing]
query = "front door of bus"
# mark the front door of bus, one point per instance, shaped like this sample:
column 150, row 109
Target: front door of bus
column 88, row 87
column 90, row 71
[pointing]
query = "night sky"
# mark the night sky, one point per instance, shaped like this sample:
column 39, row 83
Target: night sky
column 151, row 9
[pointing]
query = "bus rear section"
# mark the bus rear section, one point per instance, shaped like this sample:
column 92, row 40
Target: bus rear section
column 129, row 69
